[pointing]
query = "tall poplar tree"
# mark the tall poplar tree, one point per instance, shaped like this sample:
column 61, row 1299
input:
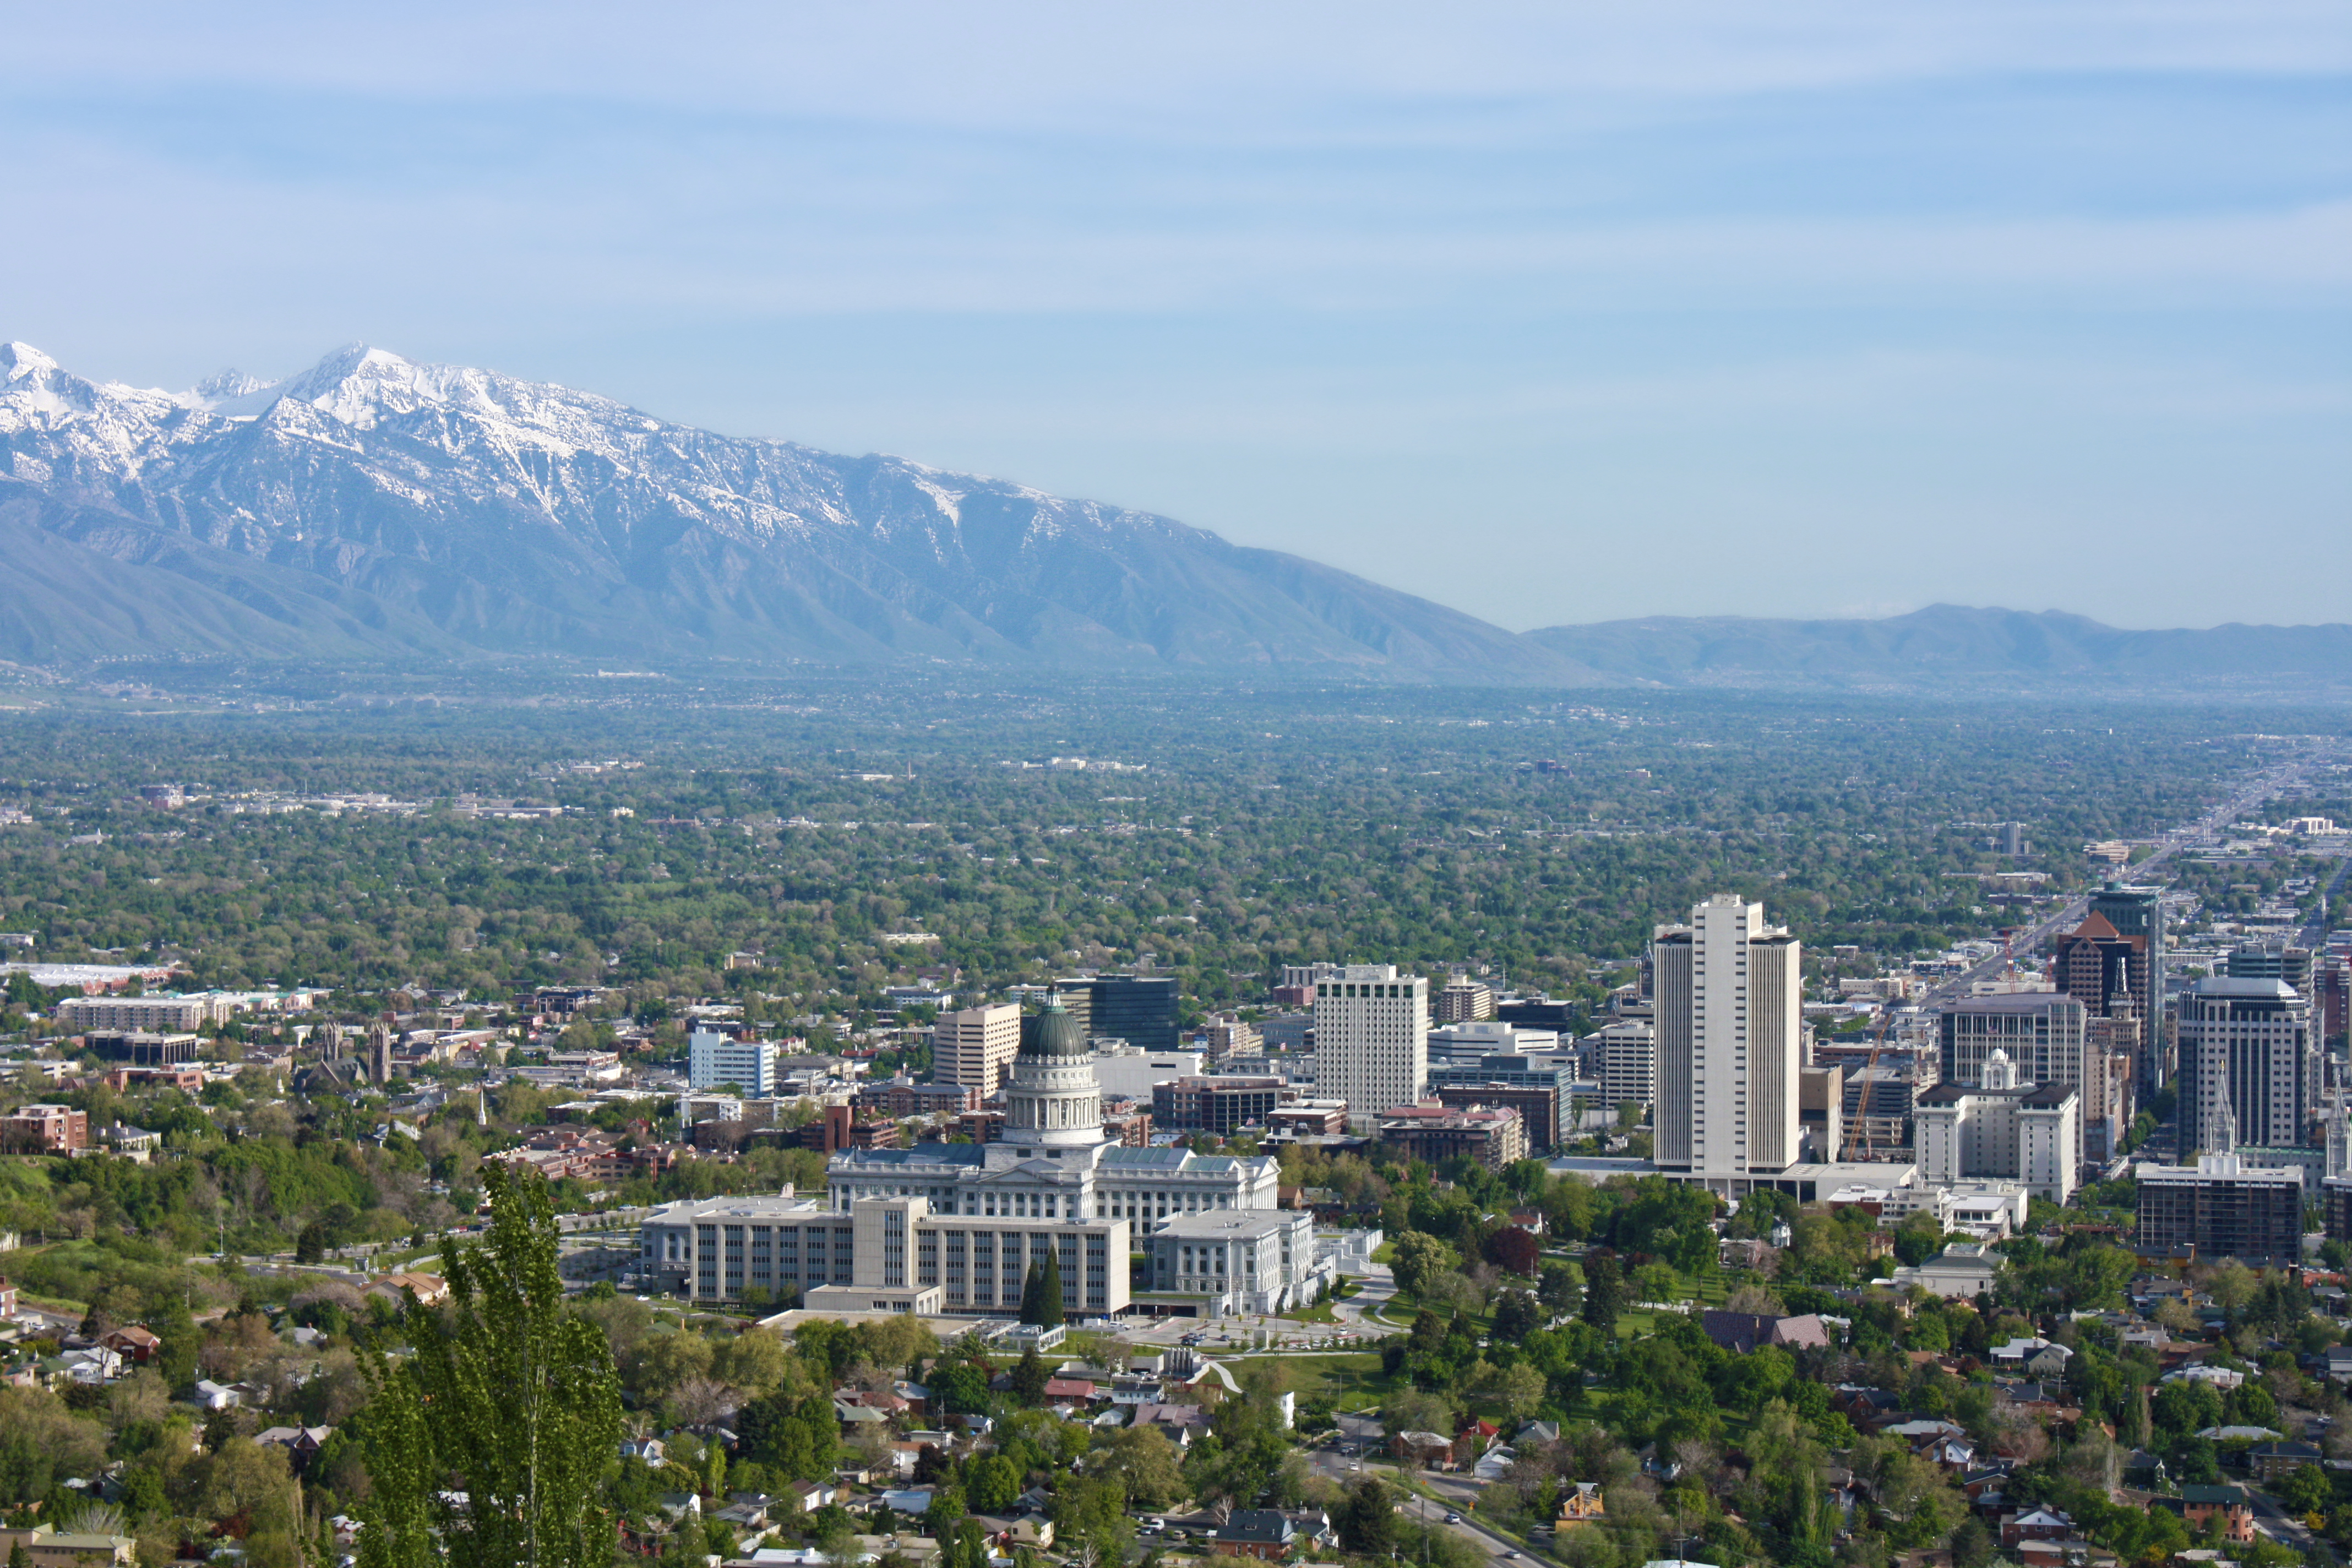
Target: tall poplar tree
column 1041, row 1295
column 486, row 1446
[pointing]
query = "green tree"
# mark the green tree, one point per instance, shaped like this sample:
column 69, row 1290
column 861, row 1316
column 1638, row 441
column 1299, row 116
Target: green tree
column 1367, row 1520
column 1604, row 1291
column 1029, row 1375
column 1416, row 1257
column 991, row 1484
column 1041, row 1295
column 511, row 1402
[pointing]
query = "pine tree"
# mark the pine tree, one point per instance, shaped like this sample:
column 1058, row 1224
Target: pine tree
column 511, row 1404
column 1041, row 1295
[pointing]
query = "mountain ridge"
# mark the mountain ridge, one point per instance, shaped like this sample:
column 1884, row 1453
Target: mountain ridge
column 372, row 508
column 1941, row 642
column 446, row 508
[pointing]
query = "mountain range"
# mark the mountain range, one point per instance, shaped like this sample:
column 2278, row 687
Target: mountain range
column 374, row 509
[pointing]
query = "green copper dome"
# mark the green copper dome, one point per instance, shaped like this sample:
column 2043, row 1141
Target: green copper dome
column 1052, row 1033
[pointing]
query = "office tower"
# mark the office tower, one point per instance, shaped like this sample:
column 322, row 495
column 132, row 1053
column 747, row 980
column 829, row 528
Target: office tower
column 1729, row 998
column 1138, row 1008
column 1372, row 1040
column 714, row 1060
column 2249, row 1066
column 1629, row 1063
column 2138, row 914
column 2271, row 961
column 2012, row 839
column 974, row 1048
column 379, row 1057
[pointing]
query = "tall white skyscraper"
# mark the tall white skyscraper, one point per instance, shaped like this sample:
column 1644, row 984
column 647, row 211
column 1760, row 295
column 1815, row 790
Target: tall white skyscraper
column 1729, row 1020
column 1371, row 1040
column 974, row 1048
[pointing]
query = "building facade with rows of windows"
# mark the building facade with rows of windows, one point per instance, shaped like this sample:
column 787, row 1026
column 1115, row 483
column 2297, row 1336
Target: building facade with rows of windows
column 963, row 1220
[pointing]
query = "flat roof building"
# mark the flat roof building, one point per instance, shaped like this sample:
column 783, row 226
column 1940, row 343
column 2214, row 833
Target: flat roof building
column 2223, row 1208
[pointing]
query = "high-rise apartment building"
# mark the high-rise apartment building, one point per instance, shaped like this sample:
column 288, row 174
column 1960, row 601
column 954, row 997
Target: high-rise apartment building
column 1730, row 1021
column 2249, row 1066
column 1372, row 1040
column 2137, row 914
column 714, row 1060
column 974, row 1048
column 1465, row 1001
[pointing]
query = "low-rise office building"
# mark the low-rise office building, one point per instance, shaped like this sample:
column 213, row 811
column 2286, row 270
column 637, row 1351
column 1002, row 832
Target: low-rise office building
column 1492, row 1135
column 1237, row 1262
column 2222, row 1207
column 892, row 1249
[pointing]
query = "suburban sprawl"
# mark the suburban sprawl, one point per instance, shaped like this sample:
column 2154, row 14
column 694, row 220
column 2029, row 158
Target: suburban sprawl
column 918, row 1125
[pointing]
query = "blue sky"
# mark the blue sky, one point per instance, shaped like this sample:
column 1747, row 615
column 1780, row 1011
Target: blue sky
column 1552, row 312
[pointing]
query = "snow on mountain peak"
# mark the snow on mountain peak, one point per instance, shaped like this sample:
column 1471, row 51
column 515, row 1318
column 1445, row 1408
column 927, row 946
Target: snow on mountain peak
column 21, row 360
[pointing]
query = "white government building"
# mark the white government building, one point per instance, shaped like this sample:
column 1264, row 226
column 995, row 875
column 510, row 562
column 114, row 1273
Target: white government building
column 954, row 1228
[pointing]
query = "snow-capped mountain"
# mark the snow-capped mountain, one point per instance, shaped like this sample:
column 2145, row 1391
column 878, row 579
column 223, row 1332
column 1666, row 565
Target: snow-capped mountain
column 372, row 506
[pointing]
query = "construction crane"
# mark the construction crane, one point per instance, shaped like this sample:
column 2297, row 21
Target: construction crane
column 1862, row 1102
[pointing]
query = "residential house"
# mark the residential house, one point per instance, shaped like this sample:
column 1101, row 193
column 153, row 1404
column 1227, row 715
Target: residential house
column 46, row 1546
column 2035, row 1525
column 216, row 1396
column 2221, row 1378
column 1179, row 1424
column 133, row 1343
column 1073, row 1389
column 430, row 1289
column 805, row 1497
column 920, row 1551
column 2036, row 1357
column 2275, row 1461
column 1951, row 1454
column 911, row 1500
column 745, row 1510
column 1474, row 1440
column 301, row 1443
column 1493, row 1463
column 649, row 1450
column 1431, row 1451
column 1581, row 1503
column 1261, row 1533
column 1740, row 1333
column 2146, row 1471
column 2198, row 1504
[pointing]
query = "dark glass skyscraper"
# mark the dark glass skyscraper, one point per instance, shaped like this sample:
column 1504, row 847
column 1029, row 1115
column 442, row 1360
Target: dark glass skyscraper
column 1138, row 1008
column 2139, row 913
